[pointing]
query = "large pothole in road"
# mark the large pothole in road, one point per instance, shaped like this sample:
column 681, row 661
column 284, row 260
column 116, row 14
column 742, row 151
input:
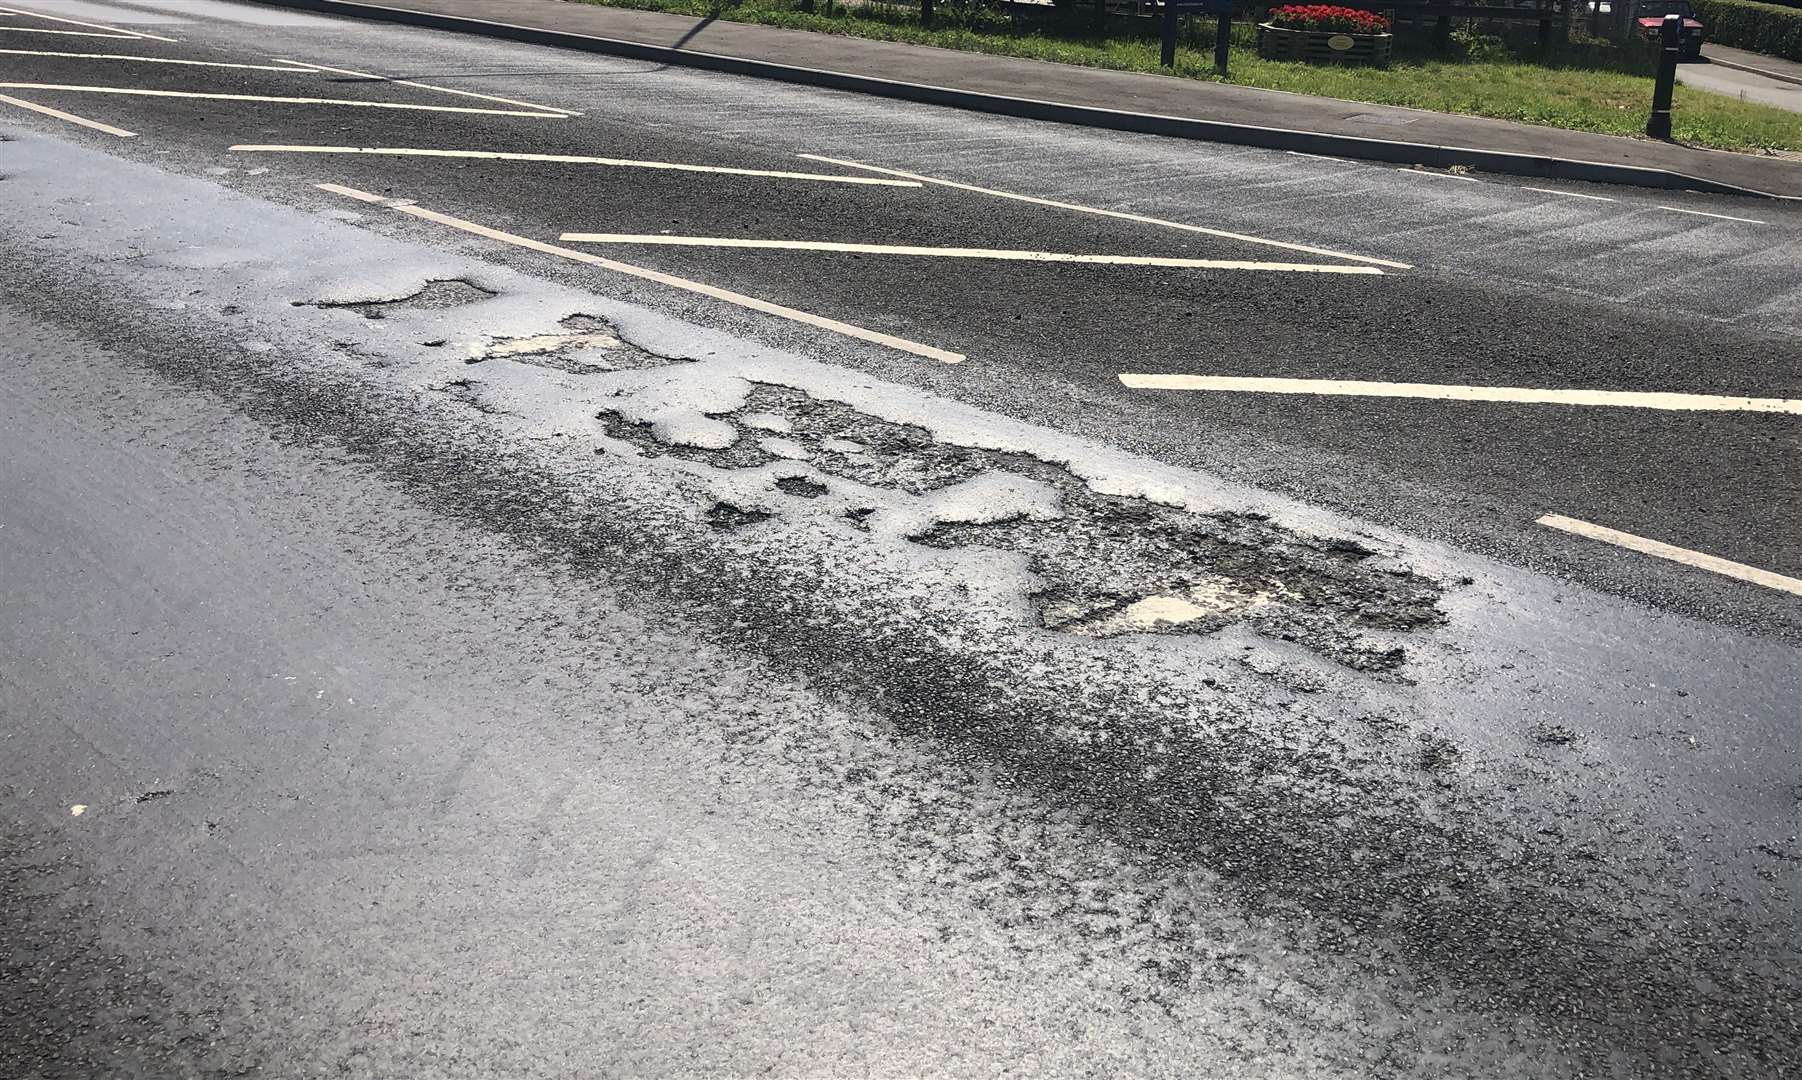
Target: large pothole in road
column 1106, row 565
column 583, row 344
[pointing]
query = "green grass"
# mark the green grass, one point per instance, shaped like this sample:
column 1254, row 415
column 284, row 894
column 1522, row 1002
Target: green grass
column 1587, row 86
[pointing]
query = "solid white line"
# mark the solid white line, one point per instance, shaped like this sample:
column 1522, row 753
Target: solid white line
column 64, row 33
column 440, row 89
column 959, row 253
column 147, row 59
column 739, row 299
column 92, row 26
column 493, row 155
column 1441, row 175
column 70, row 117
column 1567, row 194
column 1723, row 217
column 1438, row 392
column 1662, row 550
column 280, row 100
column 1121, row 214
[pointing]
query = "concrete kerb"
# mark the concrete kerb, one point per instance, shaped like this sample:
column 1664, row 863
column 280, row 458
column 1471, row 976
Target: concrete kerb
column 1307, row 142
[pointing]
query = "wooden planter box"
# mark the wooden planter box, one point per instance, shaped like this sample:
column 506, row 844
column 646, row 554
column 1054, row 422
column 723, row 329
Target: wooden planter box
column 1321, row 47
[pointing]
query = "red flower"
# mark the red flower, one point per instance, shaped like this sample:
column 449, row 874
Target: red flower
column 1329, row 18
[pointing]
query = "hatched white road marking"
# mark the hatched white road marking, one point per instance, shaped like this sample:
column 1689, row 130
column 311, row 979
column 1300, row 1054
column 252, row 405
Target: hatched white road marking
column 726, row 295
column 149, row 60
column 1441, row 392
column 1660, row 549
column 70, row 117
column 1567, row 194
column 1722, row 217
column 959, row 253
column 440, row 89
column 1120, row 214
column 135, row 91
column 120, row 30
column 574, row 159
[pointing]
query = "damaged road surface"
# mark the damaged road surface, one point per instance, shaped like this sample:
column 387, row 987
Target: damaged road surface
column 414, row 662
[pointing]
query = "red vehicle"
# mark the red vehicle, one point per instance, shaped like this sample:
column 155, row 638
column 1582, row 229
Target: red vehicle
column 1649, row 14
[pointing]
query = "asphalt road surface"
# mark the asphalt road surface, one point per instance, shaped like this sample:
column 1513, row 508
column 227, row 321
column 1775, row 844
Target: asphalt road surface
column 471, row 613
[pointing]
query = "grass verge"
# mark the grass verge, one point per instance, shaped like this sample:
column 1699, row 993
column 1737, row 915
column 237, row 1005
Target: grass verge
column 1588, row 86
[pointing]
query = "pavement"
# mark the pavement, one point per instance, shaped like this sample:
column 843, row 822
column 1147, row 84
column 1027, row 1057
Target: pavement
column 1747, row 76
column 1773, row 68
column 518, row 562
column 1124, row 100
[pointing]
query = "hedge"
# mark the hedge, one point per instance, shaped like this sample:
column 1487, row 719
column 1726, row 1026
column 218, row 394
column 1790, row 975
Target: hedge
column 1744, row 24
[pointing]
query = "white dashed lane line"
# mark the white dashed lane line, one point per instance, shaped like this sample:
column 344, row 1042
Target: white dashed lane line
column 151, row 60
column 118, row 31
column 1440, row 175
column 66, row 33
column 1453, row 392
column 138, row 92
column 68, row 117
column 1660, row 549
column 1568, row 194
column 726, row 295
column 571, row 159
column 1120, row 214
column 427, row 86
column 1000, row 254
column 1719, row 217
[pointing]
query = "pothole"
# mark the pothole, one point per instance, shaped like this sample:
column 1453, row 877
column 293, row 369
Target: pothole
column 587, row 344
column 726, row 516
column 801, row 486
column 1108, row 565
column 437, row 295
column 468, row 391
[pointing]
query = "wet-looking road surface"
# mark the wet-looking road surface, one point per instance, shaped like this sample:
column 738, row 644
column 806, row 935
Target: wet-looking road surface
column 623, row 571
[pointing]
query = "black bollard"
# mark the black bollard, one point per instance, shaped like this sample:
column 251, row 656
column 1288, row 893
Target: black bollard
column 1658, row 125
column 1223, row 41
column 1168, row 57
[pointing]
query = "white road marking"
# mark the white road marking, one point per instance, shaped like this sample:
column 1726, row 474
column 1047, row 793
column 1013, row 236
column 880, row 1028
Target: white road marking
column 440, row 89
column 91, row 26
column 70, row 117
column 739, row 299
column 148, row 60
column 960, row 253
column 63, row 33
column 78, row 809
column 1567, row 194
column 1723, row 217
column 1440, row 392
column 1442, row 175
column 1660, row 549
column 495, row 155
column 1320, row 157
column 1120, row 214
column 131, row 90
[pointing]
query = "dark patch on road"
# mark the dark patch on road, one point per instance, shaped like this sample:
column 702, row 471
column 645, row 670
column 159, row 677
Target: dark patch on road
column 727, row 516
column 438, row 295
column 71, row 1006
column 801, row 487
